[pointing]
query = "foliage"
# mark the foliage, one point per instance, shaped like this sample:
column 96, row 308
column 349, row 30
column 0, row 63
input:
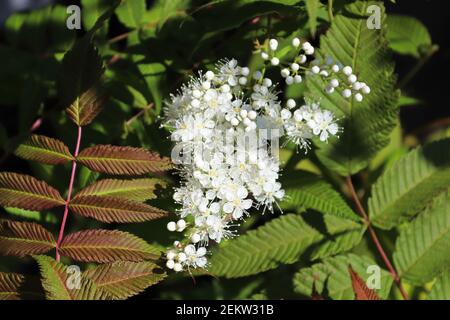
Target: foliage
column 99, row 195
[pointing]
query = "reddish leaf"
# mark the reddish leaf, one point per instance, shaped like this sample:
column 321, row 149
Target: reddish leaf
column 112, row 209
column 106, row 246
column 9, row 286
column 315, row 295
column 24, row 238
column 87, row 106
column 137, row 189
column 26, row 192
column 362, row 292
column 122, row 160
column 44, row 149
column 123, row 279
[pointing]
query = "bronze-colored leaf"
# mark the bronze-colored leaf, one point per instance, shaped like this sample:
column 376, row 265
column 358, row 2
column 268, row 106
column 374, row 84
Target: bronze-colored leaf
column 106, row 246
column 9, row 285
column 60, row 283
column 24, row 238
column 136, row 189
column 315, row 295
column 44, row 149
column 87, row 106
column 123, row 279
column 26, row 192
column 362, row 292
column 122, row 160
column 111, row 209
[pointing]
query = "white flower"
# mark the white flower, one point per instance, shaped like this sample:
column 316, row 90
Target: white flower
column 195, row 257
column 237, row 204
column 322, row 125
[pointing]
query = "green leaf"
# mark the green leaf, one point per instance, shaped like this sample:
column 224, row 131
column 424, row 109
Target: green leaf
column 406, row 187
column 136, row 189
column 57, row 283
column 340, row 235
column 332, row 277
column 43, row 217
column 41, row 30
column 44, row 149
column 366, row 124
column 441, row 288
column 407, row 35
column 131, row 12
column 307, row 190
column 280, row 241
column 422, row 249
column 91, row 11
column 124, row 279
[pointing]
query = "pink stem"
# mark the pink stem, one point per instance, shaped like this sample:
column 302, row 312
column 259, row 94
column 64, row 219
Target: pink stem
column 69, row 194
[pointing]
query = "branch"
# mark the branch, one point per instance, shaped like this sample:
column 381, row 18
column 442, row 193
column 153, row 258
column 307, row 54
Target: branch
column 139, row 114
column 375, row 239
column 330, row 10
column 433, row 49
column 69, row 195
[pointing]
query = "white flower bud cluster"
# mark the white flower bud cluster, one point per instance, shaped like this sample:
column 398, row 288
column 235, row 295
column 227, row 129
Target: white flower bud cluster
column 300, row 67
column 330, row 70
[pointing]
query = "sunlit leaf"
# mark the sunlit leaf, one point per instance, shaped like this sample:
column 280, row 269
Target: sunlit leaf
column 122, row 160
column 111, row 209
column 106, row 246
column 60, row 284
column 44, row 149
column 124, row 279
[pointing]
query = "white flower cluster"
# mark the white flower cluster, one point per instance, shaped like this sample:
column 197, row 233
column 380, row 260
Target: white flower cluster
column 211, row 118
column 222, row 181
column 301, row 124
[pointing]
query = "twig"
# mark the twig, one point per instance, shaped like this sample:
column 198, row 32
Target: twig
column 330, row 10
column 139, row 114
column 433, row 49
column 375, row 239
column 69, row 195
